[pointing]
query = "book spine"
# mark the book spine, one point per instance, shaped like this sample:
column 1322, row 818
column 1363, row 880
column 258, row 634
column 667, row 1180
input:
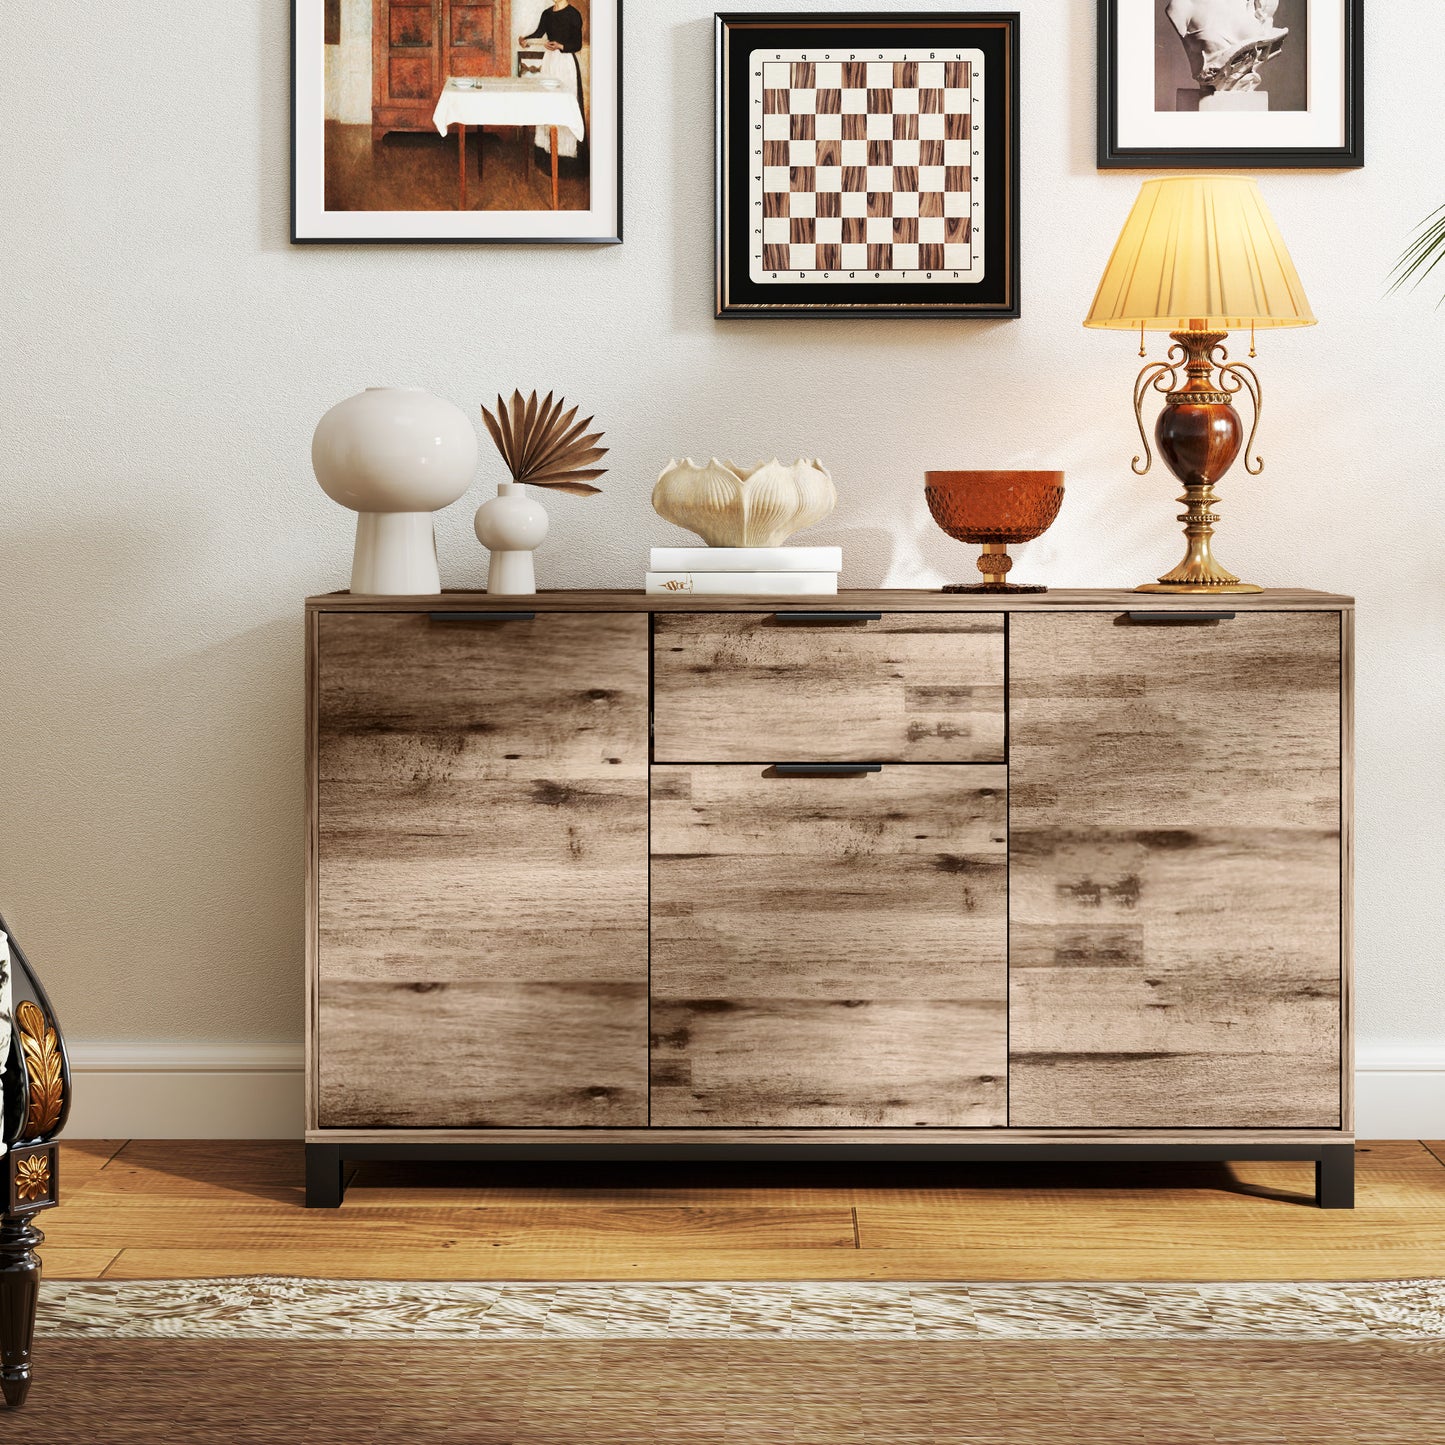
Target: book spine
column 743, row 584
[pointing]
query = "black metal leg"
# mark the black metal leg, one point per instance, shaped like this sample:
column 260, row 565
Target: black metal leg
column 19, row 1291
column 1335, row 1177
column 325, row 1176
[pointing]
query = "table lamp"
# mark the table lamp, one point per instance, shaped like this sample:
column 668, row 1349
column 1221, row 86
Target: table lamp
column 1199, row 257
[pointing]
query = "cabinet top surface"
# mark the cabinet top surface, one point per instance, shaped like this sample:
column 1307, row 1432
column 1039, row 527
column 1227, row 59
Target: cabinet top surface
column 1289, row 599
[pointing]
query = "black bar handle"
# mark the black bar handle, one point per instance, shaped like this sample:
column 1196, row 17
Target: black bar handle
column 482, row 616
column 824, row 770
column 800, row 618
column 1179, row 619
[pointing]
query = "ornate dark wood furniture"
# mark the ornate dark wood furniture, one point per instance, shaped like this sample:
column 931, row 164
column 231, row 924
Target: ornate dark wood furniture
column 417, row 44
column 35, row 1087
column 898, row 875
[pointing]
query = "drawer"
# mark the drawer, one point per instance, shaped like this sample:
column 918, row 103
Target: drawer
column 829, row 951
column 761, row 687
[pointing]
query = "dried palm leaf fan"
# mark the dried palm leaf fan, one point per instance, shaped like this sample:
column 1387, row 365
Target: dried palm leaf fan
column 544, row 447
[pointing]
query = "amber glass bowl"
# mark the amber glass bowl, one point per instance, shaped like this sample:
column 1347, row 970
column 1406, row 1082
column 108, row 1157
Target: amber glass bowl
column 994, row 510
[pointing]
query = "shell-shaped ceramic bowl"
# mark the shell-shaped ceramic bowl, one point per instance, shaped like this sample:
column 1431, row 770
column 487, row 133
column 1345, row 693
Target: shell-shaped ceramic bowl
column 732, row 506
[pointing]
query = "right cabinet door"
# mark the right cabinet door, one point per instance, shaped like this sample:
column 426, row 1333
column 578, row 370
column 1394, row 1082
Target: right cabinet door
column 1175, row 871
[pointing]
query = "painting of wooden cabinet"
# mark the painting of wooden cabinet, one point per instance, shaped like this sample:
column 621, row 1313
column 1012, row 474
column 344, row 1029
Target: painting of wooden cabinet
column 917, row 875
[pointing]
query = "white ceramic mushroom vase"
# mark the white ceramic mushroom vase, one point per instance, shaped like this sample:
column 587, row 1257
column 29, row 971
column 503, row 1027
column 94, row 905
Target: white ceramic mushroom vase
column 732, row 506
column 394, row 455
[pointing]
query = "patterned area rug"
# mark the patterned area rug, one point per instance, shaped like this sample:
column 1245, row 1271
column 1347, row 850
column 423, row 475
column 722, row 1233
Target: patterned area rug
column 257, row 1361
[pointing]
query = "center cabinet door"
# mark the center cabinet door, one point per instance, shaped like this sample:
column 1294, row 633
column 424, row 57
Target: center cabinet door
column 828, row 951
column 482, row 852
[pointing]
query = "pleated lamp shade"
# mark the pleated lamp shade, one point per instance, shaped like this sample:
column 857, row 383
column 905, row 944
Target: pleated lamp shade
column 1200, row 253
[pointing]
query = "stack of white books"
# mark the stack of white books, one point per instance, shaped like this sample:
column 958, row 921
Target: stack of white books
column 746, row 571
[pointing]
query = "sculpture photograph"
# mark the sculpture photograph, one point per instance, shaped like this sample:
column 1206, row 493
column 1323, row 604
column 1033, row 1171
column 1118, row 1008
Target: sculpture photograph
column 1231, row 55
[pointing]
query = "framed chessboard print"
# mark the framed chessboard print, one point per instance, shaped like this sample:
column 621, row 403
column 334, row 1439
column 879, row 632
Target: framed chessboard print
column 868, row 164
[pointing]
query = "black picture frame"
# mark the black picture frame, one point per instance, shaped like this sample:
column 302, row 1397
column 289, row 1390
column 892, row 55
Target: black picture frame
column 997, row 294
column 1347, row 156
column 300, row 235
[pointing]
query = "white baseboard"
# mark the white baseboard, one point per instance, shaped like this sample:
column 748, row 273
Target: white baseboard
column 254, row 1091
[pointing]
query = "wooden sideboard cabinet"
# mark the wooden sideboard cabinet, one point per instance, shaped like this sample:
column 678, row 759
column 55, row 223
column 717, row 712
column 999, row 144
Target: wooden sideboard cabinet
column 898, row 875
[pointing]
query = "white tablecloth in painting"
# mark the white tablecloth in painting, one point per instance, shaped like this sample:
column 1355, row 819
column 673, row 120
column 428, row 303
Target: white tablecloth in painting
column 525, row 101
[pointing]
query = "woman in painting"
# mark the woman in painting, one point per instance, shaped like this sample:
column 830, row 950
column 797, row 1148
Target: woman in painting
column 559, row 33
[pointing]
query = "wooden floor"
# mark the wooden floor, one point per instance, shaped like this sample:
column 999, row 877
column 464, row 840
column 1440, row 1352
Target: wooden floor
column 165, row 1210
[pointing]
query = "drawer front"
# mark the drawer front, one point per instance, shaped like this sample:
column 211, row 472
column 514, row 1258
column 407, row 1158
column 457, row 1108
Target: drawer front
column 1175, row 882
column 482, row 861
column 752, row 687
column 828, row 951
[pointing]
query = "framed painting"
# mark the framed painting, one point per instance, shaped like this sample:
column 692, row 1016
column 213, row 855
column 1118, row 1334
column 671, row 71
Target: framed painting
column 1241, row 83
column 456, row 120
column 868, row 164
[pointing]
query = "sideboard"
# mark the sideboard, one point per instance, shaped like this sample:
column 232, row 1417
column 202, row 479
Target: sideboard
column 892, row 875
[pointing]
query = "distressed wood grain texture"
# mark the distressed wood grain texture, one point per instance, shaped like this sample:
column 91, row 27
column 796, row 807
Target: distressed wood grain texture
column 828, row 951
column 482, row 863
column 1175, row 852
column 909, row 688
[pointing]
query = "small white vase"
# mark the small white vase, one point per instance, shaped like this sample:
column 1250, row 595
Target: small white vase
column 395, row 455
column 512, row 525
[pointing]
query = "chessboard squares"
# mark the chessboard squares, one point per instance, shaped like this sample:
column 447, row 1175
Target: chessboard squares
column 932, row 179
column 880, row 178
column 855, row 102
column 957, row 203
column 956, row 178
column 880, row 229
column 855, row 258
column 802, row 152
column 880, row 127
column 829, row 102
column 855, row 152
column 804, row 75
column 930, row 202
column 932, row 153
column 830, row 203
column 905, row 74
column 957, row 120
column 775, row 178
column 880, row 75
column 777, row 127
column 855, row 126
column 855, row 178
column 931, row 74
column 958, row 230
column 776, row 257
column 855, row 75
column 930, row 102
column 803, row 203
column 776, row 230
column 775, row 153
column 802, row 178
column 853, row 203
column 880, row 204
column 957, row 153
column 905, row 256
column 931, row 127
column 830, row 180
column 905, row 127
column 775, row 102
column 855, row 230
column 905, row 180
column 828, row 230
column 930, row 258
column 880, row 153
column 880, row 256
column 955, row 73
column 830, row 127
column 905, row 228
column 775, row 203
column 802, row 127
column 931, row 229
column 830, row 258
column 905, row 203
column 802, row 230
column 880, row 102
column 907, row 152
column 905, row 102
column 829, row 153
column 957, row 257
column 803, row 258
column 802, row 102
column 828, row 74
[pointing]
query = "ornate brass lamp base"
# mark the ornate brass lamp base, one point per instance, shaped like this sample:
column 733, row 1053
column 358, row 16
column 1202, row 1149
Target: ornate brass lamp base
column 1199, row 434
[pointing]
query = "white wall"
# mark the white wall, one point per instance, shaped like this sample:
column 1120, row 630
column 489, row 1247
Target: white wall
column 167, row 354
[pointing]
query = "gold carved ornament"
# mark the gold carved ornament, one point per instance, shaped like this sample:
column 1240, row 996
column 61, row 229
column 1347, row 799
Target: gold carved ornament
column 40, row 1049
column 32, row 1178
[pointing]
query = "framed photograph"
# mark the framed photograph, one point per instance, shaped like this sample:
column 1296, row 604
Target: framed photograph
column 868, row 165
column 456, row 120
column 1246, row 83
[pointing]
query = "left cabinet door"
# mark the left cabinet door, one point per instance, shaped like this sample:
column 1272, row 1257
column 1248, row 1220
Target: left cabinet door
column 481, row 861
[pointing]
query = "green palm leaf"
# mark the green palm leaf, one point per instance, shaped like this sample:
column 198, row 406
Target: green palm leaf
column 1422, row 255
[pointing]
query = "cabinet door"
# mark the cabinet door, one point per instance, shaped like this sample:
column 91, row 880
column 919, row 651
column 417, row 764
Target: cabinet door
column 406, row 64
column 1175, row 878
column 477, row 38
column 828, row 951
column 482, row 863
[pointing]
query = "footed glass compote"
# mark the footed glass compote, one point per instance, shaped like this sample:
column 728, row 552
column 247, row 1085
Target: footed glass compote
column 994, row 510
